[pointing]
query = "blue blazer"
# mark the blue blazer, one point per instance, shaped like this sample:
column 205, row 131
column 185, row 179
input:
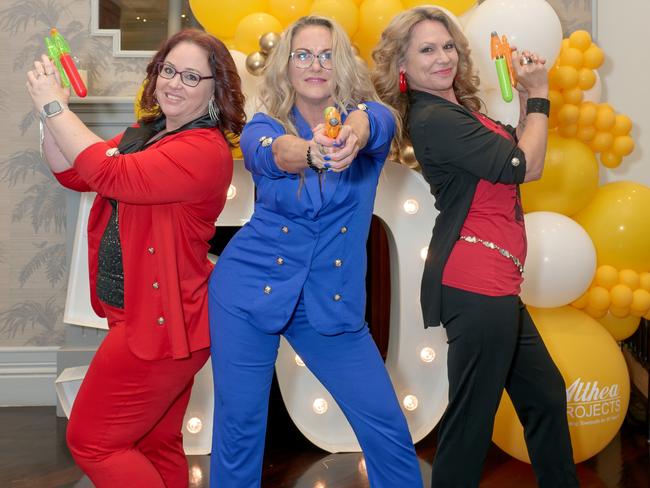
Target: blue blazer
column 307, row 240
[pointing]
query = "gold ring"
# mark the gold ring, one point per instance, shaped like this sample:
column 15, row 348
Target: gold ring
column 525, row 60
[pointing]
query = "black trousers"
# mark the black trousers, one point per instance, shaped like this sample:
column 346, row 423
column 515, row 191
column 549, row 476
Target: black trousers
column 494, row 344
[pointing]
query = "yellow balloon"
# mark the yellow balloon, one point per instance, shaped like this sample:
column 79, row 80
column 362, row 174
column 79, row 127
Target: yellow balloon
column 251, row 28
column 617, row 221
column 640, row 302
column 622, row 125
column 345, row 12
column 568, row 131
column 595, row 313
column 374, row 16
column 620, row 328
column 606, row 276
column 644, row 280
column 571, row 57
column 573, row 96
column 602, row 141
column 586, row 78
column 618, row 312
column 581, row 302
column 605, row 117
column 597, row 384
column 598, row 298
column 221, row 18
column 554, row 78
column 569, row 181
column 456, row 7
column 621, row 296
column 623, row 145
column 567, row 77
column 580, row 40
column 588, row 113
column 287, row 11
column 593, row 57
column 137, row 109
column 586, row 134
column 556, row 99
column 568, row 114
column 629, row 277
column 610, row 159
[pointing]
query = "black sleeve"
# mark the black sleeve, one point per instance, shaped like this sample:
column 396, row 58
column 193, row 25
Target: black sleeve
column 451, row 139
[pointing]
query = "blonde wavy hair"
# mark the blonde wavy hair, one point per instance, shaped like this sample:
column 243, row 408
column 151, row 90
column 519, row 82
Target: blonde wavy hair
column 390, row 52
column 350, row 76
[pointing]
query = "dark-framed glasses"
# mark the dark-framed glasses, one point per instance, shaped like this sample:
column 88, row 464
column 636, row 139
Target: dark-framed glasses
column 189, row 78
column 303, row 59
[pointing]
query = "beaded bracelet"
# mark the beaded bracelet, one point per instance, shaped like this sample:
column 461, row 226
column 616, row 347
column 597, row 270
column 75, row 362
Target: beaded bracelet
column 310, row 161
column 538, row 106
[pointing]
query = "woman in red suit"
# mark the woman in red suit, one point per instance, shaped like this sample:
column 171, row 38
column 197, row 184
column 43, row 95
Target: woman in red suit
column 160, row 187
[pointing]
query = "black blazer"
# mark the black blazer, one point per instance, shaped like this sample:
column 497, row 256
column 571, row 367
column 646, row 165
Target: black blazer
column 455, row 151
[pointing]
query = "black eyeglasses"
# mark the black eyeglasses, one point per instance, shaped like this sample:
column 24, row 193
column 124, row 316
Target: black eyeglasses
column 189, row 78
column 303, row 59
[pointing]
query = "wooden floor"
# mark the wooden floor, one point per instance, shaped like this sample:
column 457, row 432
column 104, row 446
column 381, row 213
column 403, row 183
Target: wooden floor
column 33, row 454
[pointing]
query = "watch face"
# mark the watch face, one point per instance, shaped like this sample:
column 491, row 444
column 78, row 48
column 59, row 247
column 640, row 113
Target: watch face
column 52, row 108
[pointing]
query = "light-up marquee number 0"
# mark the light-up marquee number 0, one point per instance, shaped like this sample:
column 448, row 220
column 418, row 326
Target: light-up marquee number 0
column 416, row 359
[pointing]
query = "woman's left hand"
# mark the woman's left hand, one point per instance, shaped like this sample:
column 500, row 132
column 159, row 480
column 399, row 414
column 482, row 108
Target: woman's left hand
column 346, row 147
column 44, row 84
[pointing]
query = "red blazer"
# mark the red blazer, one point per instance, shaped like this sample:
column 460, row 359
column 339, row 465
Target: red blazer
column 169, row 196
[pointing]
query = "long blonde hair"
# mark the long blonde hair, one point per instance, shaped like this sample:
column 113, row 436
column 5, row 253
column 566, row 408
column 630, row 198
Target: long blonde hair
column 390, row 53
column 350, row 81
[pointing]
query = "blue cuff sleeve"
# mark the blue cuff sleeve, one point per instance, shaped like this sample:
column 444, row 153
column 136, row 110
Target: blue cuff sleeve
column 256, row 140
column 382, row 130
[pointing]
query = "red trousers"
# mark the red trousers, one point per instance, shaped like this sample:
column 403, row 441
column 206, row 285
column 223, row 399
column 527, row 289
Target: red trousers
column 125, row 424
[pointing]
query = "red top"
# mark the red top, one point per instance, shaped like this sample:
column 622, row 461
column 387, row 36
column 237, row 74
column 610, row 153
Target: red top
column 496, row 216
column 169, row 197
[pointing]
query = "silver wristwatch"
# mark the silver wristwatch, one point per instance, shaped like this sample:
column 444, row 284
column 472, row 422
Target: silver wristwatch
column 52, row 109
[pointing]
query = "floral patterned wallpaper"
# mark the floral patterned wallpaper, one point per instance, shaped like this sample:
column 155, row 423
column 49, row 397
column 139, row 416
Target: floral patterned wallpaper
column 33, row 267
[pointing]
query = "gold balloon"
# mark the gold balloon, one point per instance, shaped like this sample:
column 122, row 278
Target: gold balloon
column 255, row 63
column 268, row 41
column 616, row 219
column 570, row 178
column 407, row 156
column 596, row 377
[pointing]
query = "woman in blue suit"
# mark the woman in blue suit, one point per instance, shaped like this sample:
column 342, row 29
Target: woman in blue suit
column 298, row 267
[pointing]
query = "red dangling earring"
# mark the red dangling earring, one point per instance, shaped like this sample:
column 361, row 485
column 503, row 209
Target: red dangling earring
column 403, row 86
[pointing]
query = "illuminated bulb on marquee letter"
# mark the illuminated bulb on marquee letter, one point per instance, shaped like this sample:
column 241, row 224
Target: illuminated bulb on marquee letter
column 427, row 354
column 411, row 206
column 299, row 361
column 410, row 402
column 319, row 406
column 194, row 425
column 232, row 192
column 423, row 253
column 196, row 475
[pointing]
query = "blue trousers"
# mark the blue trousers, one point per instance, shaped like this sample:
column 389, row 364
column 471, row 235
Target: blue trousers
column 347, row 364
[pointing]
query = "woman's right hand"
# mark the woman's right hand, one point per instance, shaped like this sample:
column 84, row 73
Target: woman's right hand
column 532, row 74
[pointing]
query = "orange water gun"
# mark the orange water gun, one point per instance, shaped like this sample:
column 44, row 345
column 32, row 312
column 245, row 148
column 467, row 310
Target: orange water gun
column 501, row 54
column 332, row 122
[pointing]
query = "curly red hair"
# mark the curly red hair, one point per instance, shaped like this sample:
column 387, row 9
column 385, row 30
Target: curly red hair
column 227, row 84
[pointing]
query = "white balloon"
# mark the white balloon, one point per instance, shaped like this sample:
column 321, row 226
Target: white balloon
column 249, row 83
column 530, row 25
column 594, row 94
column 561, row 260
column 498, row 109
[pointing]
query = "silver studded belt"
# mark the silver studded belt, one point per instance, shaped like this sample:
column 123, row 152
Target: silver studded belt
column 491, row 245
